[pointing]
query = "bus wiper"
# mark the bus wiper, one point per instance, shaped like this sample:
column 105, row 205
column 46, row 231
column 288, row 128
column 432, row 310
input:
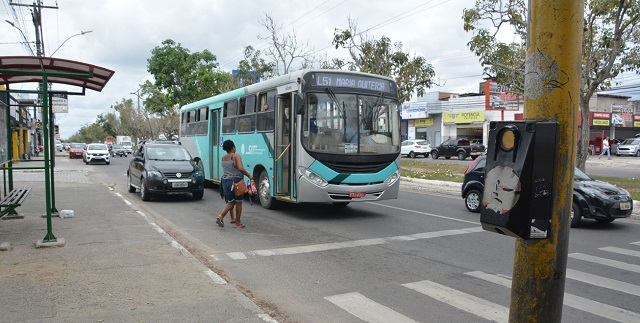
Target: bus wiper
column 333, row 98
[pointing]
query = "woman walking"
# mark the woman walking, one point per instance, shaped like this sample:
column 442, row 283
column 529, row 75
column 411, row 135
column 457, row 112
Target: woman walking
column 233, row 172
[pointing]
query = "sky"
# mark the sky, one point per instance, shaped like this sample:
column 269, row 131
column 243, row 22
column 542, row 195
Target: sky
column 123, row 33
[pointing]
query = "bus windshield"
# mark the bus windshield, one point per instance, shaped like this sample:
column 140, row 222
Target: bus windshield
column 350, row 124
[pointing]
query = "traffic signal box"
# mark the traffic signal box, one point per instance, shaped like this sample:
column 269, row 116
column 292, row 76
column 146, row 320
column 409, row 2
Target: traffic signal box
column 518, row 191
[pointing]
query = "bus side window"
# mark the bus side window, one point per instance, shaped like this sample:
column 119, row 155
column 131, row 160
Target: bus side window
column 247, row 117
column 229, row 119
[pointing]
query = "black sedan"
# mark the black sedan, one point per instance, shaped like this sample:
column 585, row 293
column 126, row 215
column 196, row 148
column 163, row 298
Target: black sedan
column 119, row 150
column 164, row 168
column 592, row 199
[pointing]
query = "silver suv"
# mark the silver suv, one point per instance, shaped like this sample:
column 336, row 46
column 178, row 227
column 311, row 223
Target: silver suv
column 628, row 147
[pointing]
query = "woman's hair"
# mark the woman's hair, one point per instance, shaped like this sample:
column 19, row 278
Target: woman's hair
column 227, row 145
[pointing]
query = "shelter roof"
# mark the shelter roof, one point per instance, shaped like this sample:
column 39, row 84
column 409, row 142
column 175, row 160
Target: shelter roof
column 24, row 69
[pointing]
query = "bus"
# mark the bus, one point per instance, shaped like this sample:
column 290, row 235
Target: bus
column 321, row 136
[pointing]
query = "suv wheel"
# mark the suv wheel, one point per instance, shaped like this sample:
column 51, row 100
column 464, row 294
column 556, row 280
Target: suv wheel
column 197, row 195
column 131, row 188
column 462, row 155
column 472, row 201
column 575, row 215
column 434, row 154
column 144, row 193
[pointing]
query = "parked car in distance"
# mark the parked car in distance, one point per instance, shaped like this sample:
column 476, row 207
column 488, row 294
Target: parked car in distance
column 66, row 146
column 119, row 150
column 628, row 147
column 415, row 147
column 461, row 148
column 164, row 168
column 76, row 150
column 592, row 199
column 96, row 152
column 59, row 145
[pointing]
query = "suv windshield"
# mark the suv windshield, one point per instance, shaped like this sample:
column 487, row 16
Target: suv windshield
column 167, row 152
column 350, row 123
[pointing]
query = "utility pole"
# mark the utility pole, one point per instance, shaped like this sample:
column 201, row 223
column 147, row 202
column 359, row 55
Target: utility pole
column 552, row 92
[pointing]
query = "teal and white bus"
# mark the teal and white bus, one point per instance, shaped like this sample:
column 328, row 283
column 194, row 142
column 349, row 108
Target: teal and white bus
column 292, row 132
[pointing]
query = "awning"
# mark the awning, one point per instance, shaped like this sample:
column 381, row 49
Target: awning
column 23, row 69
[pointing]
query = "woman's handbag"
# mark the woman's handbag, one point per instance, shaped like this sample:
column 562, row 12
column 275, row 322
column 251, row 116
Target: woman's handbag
column 240, row 188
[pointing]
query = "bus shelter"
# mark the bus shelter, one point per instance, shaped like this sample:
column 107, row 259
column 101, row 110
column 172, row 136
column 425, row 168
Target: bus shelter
column 44, row 71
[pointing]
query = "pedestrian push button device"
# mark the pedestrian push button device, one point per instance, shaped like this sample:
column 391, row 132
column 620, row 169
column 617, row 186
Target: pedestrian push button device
column 518, row 191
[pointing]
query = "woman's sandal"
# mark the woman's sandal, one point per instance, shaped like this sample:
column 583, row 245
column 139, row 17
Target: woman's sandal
column 240, row 226
column 233, row 221
column 219, row 221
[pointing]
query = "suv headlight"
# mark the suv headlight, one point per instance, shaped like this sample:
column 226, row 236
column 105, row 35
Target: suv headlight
column 154, row 173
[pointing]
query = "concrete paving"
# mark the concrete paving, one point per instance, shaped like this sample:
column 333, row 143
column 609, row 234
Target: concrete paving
column 115, row 264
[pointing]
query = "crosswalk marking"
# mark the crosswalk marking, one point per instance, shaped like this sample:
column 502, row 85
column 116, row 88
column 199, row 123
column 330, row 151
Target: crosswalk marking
column 366, row 309
column 466, row 302
column 577, row 302
column 637, row 243
column 603, row 282
column 346, row 244
column 606, row 262
column 621, row 251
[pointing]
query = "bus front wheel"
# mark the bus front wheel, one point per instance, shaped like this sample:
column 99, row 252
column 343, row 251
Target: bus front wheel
column 264, row 191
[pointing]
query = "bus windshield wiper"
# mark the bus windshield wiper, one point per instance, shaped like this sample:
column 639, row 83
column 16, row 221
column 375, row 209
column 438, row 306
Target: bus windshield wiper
column 333, row 98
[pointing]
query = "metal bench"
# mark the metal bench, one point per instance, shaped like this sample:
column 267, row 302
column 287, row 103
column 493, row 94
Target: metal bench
column 14, row 199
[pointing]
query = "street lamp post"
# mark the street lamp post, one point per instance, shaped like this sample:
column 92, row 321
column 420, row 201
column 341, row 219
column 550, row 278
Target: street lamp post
column 80, row 34
column 23, row 36
column 137, row 94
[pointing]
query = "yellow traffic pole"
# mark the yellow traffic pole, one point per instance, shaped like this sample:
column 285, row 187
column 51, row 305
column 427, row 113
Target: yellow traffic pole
column 552, row 85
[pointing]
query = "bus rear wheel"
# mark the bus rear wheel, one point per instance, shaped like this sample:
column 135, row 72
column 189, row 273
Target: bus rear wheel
column 264, row 191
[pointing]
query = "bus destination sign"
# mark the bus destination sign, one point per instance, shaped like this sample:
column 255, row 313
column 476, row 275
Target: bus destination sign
column 352, row 81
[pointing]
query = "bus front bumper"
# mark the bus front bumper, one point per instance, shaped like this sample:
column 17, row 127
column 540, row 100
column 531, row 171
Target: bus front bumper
column 309, row 192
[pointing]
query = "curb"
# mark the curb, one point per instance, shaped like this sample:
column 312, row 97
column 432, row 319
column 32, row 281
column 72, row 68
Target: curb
column 453, row 188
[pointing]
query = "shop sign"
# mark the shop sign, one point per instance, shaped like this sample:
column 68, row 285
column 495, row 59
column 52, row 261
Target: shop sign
column 600, row 122
column 463, row 117
column 424, row 122
column 59, row 103
column 636, row 124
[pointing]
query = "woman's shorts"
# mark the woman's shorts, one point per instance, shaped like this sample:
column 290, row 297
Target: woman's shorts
column 229, row 195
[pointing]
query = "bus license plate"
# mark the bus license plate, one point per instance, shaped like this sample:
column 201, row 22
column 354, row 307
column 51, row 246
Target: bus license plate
column 357, row 194
column 180, row 184
column 625, row 206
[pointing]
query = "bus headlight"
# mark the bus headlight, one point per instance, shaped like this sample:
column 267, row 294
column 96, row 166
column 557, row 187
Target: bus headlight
column 313, row 177
column 392, row 178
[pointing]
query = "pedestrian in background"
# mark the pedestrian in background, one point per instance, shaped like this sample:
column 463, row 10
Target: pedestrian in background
column 232, row 172
column 605, row 148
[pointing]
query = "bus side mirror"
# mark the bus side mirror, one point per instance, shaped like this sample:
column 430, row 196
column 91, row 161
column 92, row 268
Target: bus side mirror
column 519, row 176
column 299, row 104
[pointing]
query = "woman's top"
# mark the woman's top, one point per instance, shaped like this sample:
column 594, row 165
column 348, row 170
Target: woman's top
column 230, row 170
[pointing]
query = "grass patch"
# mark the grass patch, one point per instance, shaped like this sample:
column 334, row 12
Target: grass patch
column 427, row 170
column 455, row 173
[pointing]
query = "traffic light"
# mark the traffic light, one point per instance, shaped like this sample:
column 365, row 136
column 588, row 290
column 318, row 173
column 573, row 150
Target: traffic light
column 518, row 191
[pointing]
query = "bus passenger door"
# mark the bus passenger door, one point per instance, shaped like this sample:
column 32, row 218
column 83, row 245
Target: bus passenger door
column 284, row 144
column 214, row 145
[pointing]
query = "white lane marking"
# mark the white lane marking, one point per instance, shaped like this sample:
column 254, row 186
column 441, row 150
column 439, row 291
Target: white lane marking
column 621, row 251
column 424, row 213
column 606, row 262
column 637, row 243
column 604, row 282
column 346, row 244
column 367, row 310
column 466, row 302
column 577, row 302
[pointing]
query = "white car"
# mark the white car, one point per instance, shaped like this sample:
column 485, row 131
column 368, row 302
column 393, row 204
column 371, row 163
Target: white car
column 59, row 145
column 96, row 152
column 415, row 147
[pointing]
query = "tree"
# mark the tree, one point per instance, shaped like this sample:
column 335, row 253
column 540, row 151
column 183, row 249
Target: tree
column 284, row 50
column 253, row 67
column 611, row 45
column 411, row 73
column 184, row 77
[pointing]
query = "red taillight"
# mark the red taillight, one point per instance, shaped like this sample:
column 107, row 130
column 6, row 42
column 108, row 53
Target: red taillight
column 418, row 147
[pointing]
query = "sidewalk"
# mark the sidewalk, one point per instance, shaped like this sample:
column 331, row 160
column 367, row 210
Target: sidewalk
column 116, row 265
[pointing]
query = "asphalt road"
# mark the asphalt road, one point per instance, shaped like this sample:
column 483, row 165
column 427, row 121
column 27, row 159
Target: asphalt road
column 420, row 258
